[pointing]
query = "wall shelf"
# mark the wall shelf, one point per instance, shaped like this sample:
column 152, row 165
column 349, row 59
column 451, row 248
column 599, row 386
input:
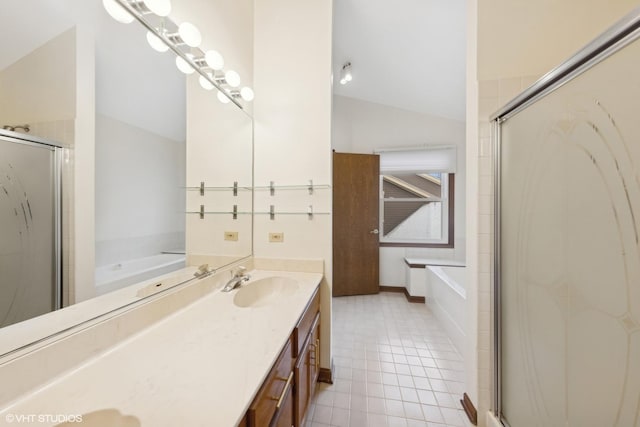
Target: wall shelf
column 202, row 188
column 202, row 212
column 311, row 187
column 310, row 213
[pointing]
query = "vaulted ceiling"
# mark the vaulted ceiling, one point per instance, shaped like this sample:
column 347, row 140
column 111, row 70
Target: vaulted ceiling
column 408, row 54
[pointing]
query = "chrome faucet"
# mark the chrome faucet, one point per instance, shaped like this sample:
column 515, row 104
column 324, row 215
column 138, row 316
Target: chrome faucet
column 238, row 278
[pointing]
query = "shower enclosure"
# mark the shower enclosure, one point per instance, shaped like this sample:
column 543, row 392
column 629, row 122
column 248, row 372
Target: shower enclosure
column 567, row 288
column 29, row 227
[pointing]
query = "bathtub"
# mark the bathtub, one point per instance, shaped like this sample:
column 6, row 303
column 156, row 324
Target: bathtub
column 116, row 276
column 446, row 298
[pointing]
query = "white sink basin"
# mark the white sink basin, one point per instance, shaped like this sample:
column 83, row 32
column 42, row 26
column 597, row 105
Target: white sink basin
column 265, row 291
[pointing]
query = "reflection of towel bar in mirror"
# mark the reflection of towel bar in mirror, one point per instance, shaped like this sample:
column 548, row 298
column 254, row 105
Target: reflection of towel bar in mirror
column 202, row 188
column 202, row 212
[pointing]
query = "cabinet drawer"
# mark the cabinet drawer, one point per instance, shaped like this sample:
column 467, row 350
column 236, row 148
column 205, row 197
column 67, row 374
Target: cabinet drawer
column 306, row 321
column 277, row 385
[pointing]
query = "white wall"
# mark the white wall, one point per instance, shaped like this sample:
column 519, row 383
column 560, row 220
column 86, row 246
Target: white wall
column 471, row 270
column 219, row 152
column 28, row 94
column 218, row 139
column 82, row 161
column 139, row 200
column 226, row 26
column 518, row 38
column 362, row 127
column 292, row 113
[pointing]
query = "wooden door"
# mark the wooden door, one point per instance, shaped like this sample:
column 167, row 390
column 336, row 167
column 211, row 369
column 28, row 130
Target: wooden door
column 356, row 185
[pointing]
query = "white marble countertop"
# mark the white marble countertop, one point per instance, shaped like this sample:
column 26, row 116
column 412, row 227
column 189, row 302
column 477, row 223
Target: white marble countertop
column 201, row 366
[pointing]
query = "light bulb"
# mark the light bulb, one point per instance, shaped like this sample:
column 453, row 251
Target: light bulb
column 183, row 65
column 214, row 60
column 117, row 12
column 247, row 93
column 156, row 42
column 190, row 34
column 223, row 98
column 206, row 84
column 159, row 7
column 232, row 78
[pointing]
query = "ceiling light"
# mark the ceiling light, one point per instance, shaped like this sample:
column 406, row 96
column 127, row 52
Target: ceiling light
column 117, row 12
column 232, row 78
column 205, row 83
column 156, row 42
column 345, row 74
column 247, row 93
column 183, row 65
column 222, row 97
column 159, row 7
column 214, row 60
column 190, row 34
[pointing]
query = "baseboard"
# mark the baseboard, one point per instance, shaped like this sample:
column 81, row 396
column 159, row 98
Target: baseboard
column 492, row 421
column 402, row 289
column 392, row 288
column 326, row 375
column 412, row 298
column 469, row 409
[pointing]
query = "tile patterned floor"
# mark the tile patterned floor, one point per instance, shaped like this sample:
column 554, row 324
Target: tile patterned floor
column 394, row 367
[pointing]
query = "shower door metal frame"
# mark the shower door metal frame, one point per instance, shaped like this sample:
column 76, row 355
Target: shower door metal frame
column 58, row 151
column 621, row 34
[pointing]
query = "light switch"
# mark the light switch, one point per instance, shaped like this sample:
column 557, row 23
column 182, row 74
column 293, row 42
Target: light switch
column 276, row 237
column 231, row 236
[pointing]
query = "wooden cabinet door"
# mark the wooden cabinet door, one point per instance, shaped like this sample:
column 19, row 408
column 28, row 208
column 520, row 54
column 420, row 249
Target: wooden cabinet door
column 278, row 383
column 314, row 357
column 302, row 385
column 284, row 417
column 306, row 371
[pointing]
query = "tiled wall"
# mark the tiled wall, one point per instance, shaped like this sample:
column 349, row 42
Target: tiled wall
column 492, row 94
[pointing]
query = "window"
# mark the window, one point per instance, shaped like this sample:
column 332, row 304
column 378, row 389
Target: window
column 416, row 205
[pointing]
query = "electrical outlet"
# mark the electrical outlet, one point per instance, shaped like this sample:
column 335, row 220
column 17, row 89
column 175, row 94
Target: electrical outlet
column 231, row 236
column 276, row 237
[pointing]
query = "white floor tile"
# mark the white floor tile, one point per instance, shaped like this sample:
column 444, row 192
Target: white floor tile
column 394, row 366
column 340, row 417
column 322, row 414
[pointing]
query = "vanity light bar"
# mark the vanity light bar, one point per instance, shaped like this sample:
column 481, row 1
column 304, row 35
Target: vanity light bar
column 184, row 41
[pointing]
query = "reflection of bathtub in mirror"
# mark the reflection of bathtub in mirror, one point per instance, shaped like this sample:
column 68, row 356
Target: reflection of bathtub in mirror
column 116, row 276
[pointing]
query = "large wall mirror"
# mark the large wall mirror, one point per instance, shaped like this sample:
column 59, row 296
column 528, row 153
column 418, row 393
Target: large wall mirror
column 173, row 164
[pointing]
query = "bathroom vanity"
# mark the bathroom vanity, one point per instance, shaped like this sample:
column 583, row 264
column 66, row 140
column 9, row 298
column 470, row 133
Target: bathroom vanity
column 247, row 357
column 284, row 397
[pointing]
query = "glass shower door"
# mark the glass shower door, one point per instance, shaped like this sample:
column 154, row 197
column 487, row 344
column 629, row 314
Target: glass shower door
column 569, row 262
column 29, row 283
